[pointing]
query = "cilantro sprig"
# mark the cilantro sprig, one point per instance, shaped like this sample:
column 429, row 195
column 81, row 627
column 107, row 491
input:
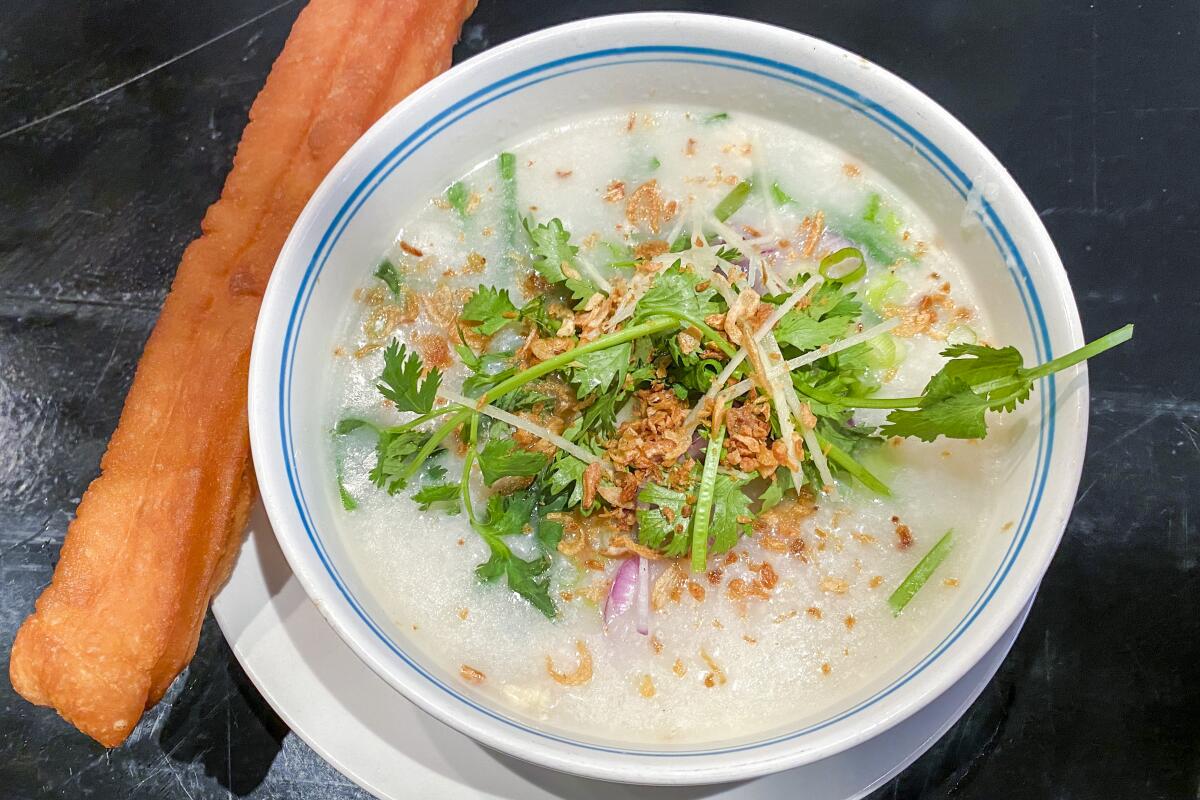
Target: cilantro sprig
column 501, row 458
column 401, row 380
column 554, row 258
column 699, row 514
column 490, row 309
column 978, row 379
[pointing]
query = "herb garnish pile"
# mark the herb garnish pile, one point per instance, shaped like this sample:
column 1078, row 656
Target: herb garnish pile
column 576, row 389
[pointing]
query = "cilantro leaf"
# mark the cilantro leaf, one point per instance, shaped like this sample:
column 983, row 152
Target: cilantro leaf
column 489, row 369
column 661, row 523
column 548, row 532
column 494, row 567
column 506, row 515
column 979, row 365
column 566, row 473
column 491, row 308
column 441, row 493
column 976, row 379
column 386, row 272
column 674, row 294
column 393, row 456
column 801, row 331
column 401, row 381
column 348, row 501
column 979, row 378
column 501, row 458
column 600, row 418
column 529, row 579
column 730, row 254
column 535, row 311
column 773, row 494
column 832, row 300
column 601, row 369
column 730, row 514
column 948, row 408
column 350, row 424
column 468, row 356
column 554, row 258
column 620, row 255
column 524, row 399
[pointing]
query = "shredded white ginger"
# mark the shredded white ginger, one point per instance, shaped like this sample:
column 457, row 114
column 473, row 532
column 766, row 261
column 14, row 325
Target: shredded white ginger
column 739, row 389
column 593, row 274
column 637, row 288
column 783, row 412
column 771, row 350
column 527, row 426
column 683, row 219
column 787, row 305
column 750, row 251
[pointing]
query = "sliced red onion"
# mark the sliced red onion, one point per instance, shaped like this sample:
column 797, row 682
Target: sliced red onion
column 697, row 447
column 643, row 596
column 620, row 596
column 759, row 284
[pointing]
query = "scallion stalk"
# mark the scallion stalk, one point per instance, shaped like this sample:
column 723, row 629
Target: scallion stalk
column 561, row 360
column 507, row 164
column 733, row 201
column 921, row 573
column 425, row 452
column 704, row 500
column 468, row 461
column 846, row 461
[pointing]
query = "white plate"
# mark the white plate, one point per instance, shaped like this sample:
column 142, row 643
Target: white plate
column 375, row 737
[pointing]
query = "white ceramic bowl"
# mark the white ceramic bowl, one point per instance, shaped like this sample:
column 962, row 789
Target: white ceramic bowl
column 468, row 114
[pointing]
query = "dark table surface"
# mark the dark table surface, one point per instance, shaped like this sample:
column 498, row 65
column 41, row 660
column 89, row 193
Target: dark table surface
column 118, row 122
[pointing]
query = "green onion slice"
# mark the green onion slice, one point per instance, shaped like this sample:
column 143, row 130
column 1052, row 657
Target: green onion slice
column 508, row 166
column 920, row 573
column 780, row 197
column 733, row 201
column 885, row 290
column 704, row 500
column 844, row 266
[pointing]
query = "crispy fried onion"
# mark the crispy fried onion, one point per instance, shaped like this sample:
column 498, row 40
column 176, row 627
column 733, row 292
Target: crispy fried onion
column 621, row 545
column 580, row 675
column 668, row 587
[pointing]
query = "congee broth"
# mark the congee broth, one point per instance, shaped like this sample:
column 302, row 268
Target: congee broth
column 668, row 425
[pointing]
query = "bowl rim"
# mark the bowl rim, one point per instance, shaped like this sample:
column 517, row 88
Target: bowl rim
column 267, row 413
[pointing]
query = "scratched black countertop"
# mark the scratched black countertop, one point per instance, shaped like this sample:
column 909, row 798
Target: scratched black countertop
column 118, row 123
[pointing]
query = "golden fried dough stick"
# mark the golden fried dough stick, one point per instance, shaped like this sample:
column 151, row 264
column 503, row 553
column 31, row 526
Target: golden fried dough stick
column 155, row 534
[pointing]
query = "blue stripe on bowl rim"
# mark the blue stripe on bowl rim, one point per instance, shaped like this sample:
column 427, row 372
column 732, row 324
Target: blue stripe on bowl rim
column 709, row 57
